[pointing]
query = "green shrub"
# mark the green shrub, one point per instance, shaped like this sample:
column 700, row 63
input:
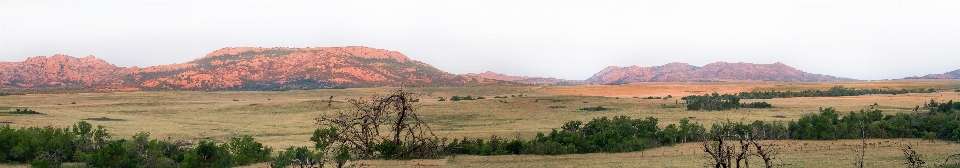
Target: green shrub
column 598, row 108
column 207, row 154
column 24, row 111
column 245, row 150
column 299, row 156
column 113, row 155
column 756, row 105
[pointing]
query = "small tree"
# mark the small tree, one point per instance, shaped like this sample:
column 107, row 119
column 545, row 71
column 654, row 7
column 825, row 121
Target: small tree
column 383, row 122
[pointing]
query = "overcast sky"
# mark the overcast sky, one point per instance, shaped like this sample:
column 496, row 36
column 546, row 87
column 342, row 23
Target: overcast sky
column 563, row 39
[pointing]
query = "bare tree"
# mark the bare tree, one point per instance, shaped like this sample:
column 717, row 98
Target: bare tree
column 955, row 163
column 719, row 152
column 913, row 159
column 767, row 152
column 746, row 143
column 380, row 121
column 862, row 152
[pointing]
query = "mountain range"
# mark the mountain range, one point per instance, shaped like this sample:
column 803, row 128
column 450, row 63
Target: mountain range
column 240, row 68
column 955, row 74
column 280, row 68
column 720, row 71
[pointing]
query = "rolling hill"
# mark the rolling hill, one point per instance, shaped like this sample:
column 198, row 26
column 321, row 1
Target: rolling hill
column 239, row 68
column 720, row 71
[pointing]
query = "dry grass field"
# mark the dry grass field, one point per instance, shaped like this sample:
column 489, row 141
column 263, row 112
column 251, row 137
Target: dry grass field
column 284, row 118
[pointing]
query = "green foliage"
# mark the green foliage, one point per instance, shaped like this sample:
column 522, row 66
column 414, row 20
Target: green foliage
column 458, row 98
column 324, row 137
column 387, row 149
column 711, row 102
column 8, row 94
column 832, row 92
column 829, row 124
column 207, row 154
column 756, row 105
column 24, row 111
column 113, row 154
column 245, row 150
column 949, row 107
column 300, row 156
column 620, row 134
column 598, row 108
column 49, row 146
column 25, row 145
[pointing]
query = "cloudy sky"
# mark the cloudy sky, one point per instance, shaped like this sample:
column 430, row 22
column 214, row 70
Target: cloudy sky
column 564, row 39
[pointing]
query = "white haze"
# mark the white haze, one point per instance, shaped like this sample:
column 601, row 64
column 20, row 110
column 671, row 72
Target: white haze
column 563, row 39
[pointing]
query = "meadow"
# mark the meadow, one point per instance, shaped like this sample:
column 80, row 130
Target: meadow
column 284, row 118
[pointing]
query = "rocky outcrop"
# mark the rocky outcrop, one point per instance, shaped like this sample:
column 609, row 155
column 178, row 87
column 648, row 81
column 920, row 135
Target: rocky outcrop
column 525, row 79
column 60, row 70
column 682, row 72
column 240, row 68
column 955, row 74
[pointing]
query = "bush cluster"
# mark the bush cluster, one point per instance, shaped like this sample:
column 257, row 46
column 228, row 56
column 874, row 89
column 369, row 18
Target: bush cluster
column 829, row 124
column 49, row 146
column 832, row 92
column 712, row 102
column 468, row 97
column 623, row 134
column 756, row 105
column 24, row 111
column 620, row 134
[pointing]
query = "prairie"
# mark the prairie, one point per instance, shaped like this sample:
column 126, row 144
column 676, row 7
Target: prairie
column 285, row 118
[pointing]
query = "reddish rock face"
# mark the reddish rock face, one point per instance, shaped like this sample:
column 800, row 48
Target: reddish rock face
column 955, row 74
column 241, row 68
column 60, row 70
column 682, row 72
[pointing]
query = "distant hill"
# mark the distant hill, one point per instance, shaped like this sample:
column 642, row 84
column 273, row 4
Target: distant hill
column 720, row 71
column 955, row 74
column 239, row 68
column 526, row 79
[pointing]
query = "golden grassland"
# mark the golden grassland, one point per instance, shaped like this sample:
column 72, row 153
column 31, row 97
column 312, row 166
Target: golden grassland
column 793, row 153
column 285, row 118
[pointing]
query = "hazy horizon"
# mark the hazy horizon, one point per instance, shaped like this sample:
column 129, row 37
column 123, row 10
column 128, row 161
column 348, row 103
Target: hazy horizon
column 568, row 40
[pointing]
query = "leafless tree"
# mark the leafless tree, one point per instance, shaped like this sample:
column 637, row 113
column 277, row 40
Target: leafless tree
column 862, row 152
column 719, row 152
column 746, row 144
column 384, row 119
column 766, row 151
column 955, row 158
column 913, row 159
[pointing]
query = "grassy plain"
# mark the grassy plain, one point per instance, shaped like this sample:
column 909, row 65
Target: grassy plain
column 284, row 118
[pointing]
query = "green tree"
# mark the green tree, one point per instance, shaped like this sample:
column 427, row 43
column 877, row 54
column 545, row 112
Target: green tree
column 245, row 150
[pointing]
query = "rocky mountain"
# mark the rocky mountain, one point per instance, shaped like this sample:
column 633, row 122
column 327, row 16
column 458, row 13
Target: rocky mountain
column 60, row 70
column 526, row 79
column 239, row 68
column 682, row 72
column 955, row 74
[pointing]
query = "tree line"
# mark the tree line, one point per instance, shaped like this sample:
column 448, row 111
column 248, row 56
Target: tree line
column 623, row 134
column 832, row 92
column 718, row 102
column 50, row 146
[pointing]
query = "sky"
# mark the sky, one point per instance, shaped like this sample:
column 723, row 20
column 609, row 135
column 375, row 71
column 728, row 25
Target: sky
column 564, row 39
